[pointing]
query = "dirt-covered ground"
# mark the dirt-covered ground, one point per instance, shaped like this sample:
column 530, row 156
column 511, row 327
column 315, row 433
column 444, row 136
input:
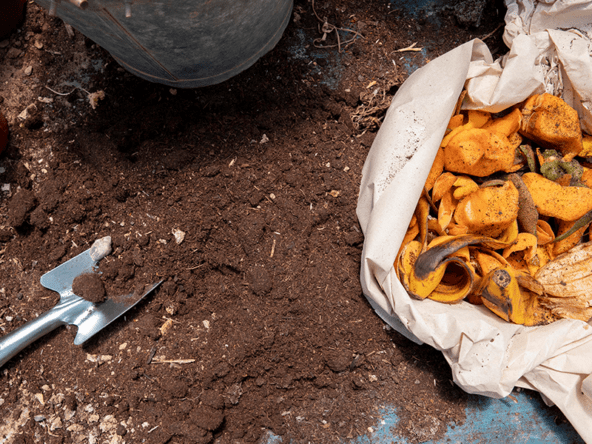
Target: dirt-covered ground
column 241, row 198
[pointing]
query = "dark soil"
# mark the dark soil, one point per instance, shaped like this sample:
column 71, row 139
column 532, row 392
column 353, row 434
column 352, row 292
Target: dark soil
column 241, row 197
column 89, row 286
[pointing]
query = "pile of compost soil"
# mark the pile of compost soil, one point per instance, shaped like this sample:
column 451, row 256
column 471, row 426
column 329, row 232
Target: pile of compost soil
column 241, row 198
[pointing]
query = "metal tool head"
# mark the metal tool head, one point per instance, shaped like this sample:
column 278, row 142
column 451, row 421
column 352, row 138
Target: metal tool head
column 97, row 316
column 60, row 278
column 90, row 318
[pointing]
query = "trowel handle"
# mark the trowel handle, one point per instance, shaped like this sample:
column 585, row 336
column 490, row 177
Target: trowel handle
column 18, row 339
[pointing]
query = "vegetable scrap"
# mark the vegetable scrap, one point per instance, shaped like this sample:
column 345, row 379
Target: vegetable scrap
column 504, row 218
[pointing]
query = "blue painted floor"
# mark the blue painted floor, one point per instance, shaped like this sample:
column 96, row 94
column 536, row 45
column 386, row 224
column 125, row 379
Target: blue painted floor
column 500, row 421
column 488, row 421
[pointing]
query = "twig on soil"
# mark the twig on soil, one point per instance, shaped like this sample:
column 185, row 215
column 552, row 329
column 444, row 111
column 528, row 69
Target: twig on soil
column 328, row 28
column 93, row 98
column 151, row 355
column 410, row 48
column 492, row 32
column 59, row 93
column 173, row 361
column 49, row 432
column 272, row 249
column 513, row 398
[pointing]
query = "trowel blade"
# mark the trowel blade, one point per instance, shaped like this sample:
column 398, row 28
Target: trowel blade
column 60, row 278
column 96, row 317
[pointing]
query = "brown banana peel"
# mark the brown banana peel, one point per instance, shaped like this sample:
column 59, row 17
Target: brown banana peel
column 424, row 274
column 502, row 294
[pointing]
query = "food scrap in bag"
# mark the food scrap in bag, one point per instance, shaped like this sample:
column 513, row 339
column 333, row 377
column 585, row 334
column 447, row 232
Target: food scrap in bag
column 503, row 221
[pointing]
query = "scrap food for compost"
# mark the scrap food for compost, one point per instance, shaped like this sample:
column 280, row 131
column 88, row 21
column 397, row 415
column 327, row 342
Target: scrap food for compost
column 504, row 215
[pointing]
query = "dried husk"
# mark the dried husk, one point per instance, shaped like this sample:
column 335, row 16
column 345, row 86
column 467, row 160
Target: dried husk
column 569, row 274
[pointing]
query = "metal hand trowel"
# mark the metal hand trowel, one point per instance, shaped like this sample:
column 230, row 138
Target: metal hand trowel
column 90, row 318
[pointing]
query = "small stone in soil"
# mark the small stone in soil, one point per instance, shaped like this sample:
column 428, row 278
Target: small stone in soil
column 121, row 430
column 90, row 287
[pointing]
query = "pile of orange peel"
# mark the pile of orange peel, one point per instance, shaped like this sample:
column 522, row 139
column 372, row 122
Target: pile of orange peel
column 503, row 219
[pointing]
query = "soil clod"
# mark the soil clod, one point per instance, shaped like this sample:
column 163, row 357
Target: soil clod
column 89, row 286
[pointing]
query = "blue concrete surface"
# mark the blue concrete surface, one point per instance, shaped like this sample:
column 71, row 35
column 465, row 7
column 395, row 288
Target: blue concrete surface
column 488, row 421
column 331, row 68
column 500, row 421
column 412, row 61
column 415, row 7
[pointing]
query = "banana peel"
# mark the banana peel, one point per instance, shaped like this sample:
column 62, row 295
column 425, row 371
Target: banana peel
column 423, row 274
column 559, row 289
column 502, row 293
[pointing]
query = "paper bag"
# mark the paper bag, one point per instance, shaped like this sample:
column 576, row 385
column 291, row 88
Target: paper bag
column 487, row 355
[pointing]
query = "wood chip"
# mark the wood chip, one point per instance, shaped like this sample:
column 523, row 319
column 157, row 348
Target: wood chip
column 166, row 326
column 172, row 361
column 410, row 48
